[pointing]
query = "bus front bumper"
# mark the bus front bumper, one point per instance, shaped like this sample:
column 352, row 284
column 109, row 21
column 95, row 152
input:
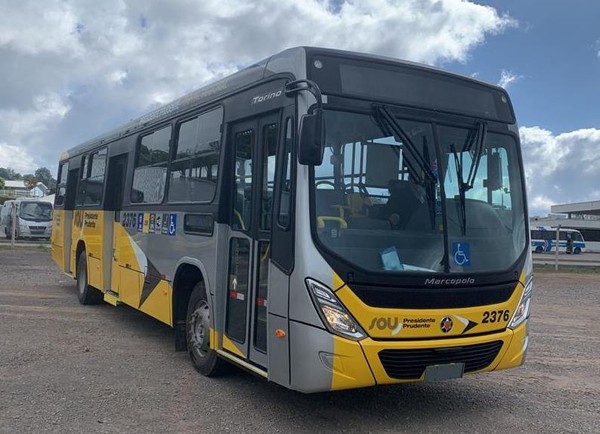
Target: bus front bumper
column 350, row 364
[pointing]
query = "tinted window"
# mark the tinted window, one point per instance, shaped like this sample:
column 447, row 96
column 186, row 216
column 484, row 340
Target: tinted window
column 150, row 173
column 268, row 176
column 286, row 177
column 61, row 188
column 193, row 172
column 91, row 183
column 242, row 207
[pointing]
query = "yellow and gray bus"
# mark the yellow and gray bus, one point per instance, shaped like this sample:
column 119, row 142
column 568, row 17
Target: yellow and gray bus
column 324, row 219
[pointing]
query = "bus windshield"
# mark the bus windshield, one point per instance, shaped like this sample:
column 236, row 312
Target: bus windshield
column 36, row 211
column 397, row 195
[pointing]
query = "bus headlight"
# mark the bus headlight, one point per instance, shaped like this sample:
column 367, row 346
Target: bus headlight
column 335, row 316
column 523, row 308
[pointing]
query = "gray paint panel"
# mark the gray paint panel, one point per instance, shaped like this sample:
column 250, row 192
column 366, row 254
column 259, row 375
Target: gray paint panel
column 278, row 291
column 309, row 373
column 278, row 354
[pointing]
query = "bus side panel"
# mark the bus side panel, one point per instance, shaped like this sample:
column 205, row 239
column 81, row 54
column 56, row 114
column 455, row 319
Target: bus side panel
column 94, row 236
column 128, row 267
column 158, row 303
column 58, row 238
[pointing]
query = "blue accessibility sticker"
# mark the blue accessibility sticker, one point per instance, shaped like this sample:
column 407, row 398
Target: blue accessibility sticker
column 172, row 224
column 140, row 222
column 461, row 253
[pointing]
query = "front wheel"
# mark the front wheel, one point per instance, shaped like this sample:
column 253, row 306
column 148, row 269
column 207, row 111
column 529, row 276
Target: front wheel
column 204, row 359
column 87, row 294
column 577, row 250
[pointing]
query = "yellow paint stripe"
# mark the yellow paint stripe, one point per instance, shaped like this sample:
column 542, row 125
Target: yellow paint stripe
column 246, row 365
column 230, row 346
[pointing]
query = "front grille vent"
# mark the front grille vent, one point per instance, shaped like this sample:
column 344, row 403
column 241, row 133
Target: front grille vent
column 410, row 364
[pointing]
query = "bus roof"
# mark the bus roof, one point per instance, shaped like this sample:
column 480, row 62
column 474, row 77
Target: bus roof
column 291, row 60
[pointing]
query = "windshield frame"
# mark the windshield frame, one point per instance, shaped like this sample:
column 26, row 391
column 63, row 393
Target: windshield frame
column 352, row 271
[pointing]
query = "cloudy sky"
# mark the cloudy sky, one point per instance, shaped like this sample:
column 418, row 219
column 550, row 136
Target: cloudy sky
column 71, row 69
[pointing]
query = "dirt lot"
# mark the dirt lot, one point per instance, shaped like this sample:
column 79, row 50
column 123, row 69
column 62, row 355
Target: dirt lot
column 71, row 368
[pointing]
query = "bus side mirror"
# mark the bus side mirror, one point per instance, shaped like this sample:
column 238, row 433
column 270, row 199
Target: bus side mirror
column 310, row 148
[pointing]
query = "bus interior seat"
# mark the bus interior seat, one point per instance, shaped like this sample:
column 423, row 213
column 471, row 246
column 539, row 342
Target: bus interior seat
column 329, row 201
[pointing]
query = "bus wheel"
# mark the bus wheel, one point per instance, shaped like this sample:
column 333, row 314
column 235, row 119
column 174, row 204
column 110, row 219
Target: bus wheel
column 538, row 249
column 204, row 359
column 577, row 250
column 87, row 294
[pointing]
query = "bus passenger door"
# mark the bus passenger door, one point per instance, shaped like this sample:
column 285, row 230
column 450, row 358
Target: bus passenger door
column 117, row 169
column 254, row 147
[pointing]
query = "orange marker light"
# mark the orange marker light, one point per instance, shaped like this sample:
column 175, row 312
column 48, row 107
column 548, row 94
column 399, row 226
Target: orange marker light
column 279, row 333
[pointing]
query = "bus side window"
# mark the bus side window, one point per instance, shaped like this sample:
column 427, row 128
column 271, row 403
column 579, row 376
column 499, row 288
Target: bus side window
column 285, row 191
column 91, row 183
column 61, row 188
column 270, row 133
column 150, row 174
column 194, row 169
column 242, row 209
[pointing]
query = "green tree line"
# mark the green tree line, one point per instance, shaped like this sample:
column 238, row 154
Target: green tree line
column 42, row 175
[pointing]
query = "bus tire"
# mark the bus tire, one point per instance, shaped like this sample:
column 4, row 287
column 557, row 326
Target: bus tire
column 204, row 359
column 538, row 249
column 87, row 294
column 577, row 250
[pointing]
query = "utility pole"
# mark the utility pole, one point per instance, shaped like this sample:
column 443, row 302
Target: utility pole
column 557, row 241
column 13, row 226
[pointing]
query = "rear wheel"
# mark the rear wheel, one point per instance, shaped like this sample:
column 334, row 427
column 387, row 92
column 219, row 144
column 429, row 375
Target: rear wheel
column 204, row 359
column 577, row 250
column 538, row 249
column 87, row 294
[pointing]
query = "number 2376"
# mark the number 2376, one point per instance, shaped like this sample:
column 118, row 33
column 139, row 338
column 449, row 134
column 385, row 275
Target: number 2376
column 493, row 316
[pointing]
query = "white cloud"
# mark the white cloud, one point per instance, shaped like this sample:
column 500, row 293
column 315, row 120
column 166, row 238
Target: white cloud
column 507, row 78
column 16, row 158
column 74, row 69
column 560, row 168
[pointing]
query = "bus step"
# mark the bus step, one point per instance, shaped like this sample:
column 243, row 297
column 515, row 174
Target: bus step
column 111, row 298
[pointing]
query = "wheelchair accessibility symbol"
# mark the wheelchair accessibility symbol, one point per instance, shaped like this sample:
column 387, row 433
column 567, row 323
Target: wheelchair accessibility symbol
column 461, row 252
column 172, row 227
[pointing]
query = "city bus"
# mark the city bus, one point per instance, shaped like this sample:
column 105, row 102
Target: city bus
column 543, row 239
column 33, row 218
column 324, row 219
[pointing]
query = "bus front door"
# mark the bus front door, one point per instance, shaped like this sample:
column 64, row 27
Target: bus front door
column 254, row 145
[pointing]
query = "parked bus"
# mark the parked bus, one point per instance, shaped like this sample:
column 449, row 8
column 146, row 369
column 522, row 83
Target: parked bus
column 543, row 239
column 324, row 219
column 33, row 218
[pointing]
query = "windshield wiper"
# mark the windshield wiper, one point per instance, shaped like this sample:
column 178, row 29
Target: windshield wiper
column 464, row 186
column 385, row 118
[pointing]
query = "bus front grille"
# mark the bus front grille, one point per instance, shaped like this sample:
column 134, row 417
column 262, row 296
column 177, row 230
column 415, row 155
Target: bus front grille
column 410, row 364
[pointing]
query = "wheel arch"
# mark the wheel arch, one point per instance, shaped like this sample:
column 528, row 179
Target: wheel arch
column 189, row 271
column 79, row 249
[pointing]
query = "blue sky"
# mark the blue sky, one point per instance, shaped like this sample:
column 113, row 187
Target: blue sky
column 72, row 69
column 554, row 52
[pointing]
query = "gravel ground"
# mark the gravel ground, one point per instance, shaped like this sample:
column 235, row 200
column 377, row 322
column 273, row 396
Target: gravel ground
column 71, row 368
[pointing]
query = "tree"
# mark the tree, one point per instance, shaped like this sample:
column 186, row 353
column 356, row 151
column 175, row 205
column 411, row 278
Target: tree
column 43, row 175
column 30, row 181
column 1, row 183
column 9, row 174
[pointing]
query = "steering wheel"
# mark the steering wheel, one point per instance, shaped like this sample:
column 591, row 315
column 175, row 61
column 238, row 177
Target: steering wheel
column 362, row 189
column 318, row 183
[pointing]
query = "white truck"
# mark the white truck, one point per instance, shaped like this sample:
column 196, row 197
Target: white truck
column 33, row 218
